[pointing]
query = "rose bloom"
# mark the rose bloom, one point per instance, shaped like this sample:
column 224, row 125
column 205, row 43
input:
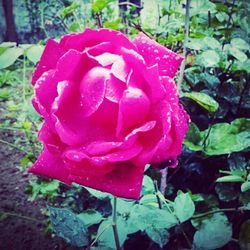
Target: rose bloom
column 110, row 106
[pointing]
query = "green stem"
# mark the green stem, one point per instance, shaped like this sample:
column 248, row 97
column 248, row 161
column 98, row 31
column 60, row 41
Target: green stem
column 24, row 78
column 156, row 194
column 219, row 211
column 13, row 146
column 22, row 217
column 114, row 225
column 184, row 46
column 99, row 235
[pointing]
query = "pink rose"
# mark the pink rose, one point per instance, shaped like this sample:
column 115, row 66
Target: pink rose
column 110, row 106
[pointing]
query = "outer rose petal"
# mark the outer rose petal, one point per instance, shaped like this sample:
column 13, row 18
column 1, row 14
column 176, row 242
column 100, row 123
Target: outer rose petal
column 90, row 38
column 153, row 53
column 124, row 181
column 51, row 54
column 51, row 166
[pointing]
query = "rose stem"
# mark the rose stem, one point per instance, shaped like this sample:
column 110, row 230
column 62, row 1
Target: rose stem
column 117, row 243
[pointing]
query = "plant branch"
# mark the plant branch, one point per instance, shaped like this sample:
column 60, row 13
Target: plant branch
column 114, row 225
column 99, row 19
column 22, row 217
column 98, row 236
column 239, row 209
column 13, row 146
column 183, row 64
column 156, row 194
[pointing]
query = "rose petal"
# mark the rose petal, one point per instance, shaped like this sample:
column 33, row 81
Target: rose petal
column 143, row 77
column 51, row 54
column 153, row 53
column 120, row 70
column 51, row 140
column 92, row 89
column 103, row 147
column 66, row 112
column 70, row 65
column 90, row 38
column 114, row 89
column 45, row 92
column 124, row 181
column 51, row 166
column 133, row 110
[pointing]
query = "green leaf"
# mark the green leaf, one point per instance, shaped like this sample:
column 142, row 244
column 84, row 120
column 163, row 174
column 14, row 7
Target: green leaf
column 213, row 233
column 230, row 178
column 159, row 236
column 148, row 216
column 107, row 237
column 149, row 200
column 90, row 217
column 34, row 53
column 147, row 185
column 209, row 58
column 184, row 206
column 204, row 100
column 9, row 56
column 241, row 56
column 99, row 5
column 211, row 43
column 245, row 186
column 225, row 138
column 69, row 9
column 5, row 93
column 193, row 138
column 67, row 225
column 240, row 44
column 98, row 194
column 195, row 44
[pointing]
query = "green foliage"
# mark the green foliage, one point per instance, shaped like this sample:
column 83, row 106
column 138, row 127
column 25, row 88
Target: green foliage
column 212, row 233
column 184, row 207
column 43, row 188
column 221, row 138
column 204, row 100
column 68, row 226
column 158, row 235
column 9, row 56
column 99, row 5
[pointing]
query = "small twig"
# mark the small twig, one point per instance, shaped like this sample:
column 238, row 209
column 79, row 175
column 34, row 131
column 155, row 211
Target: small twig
column 240, row 209
column 114, row 225
column 139, row 28
column 99, row 19
column 22, row 217
column 156, row 194
column 13, row 146
column 186, row 238
column 98, row 236
column 183, row 64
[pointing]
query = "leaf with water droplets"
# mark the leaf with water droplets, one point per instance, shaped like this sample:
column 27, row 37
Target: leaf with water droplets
column 67, row 225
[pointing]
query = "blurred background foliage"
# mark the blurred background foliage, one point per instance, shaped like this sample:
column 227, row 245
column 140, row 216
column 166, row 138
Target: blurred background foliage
column 212, row 210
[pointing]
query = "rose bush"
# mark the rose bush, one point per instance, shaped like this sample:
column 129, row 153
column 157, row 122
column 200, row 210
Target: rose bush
column 110, row 106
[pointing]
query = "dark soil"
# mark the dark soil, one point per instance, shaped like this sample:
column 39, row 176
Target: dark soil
column 22, row 225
